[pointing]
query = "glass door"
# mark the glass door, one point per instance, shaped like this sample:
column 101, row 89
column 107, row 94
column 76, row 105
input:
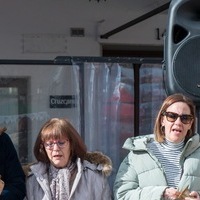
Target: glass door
column 13, row 107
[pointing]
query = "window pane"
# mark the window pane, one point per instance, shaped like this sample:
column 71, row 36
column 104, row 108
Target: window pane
column 32, row 94
column 152, row 94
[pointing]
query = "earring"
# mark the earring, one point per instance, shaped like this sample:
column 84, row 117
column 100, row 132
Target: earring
column 41, row 150
column 162, row 128
column 190, row 132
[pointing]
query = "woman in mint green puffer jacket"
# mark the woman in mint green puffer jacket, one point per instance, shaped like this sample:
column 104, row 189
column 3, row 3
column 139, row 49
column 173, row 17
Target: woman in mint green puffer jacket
column 145, row 173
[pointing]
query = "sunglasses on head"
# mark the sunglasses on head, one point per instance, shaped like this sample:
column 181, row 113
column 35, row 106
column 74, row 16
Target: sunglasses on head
column 172, row 117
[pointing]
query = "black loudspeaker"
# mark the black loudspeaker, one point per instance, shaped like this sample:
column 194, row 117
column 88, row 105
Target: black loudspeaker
column 182, row 49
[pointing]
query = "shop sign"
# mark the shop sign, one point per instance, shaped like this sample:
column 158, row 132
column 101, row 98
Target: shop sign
column 62, row 101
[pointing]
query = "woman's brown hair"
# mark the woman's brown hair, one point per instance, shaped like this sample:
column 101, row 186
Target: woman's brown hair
column 57, row 128
column 159, row 135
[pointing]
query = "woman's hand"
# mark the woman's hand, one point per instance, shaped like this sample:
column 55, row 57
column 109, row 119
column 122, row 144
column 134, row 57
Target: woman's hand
column 193, row 196
column 170, row 193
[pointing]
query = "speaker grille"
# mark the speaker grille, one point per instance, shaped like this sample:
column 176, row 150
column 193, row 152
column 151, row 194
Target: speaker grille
column 186, row 66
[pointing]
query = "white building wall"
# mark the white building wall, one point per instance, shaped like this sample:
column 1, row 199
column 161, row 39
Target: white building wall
column 38, row 29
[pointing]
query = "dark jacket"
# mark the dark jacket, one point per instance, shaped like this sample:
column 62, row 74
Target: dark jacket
column 11, row 171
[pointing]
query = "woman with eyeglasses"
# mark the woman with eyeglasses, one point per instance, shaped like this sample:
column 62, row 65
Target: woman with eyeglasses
column 64, row 169
column 165, row 165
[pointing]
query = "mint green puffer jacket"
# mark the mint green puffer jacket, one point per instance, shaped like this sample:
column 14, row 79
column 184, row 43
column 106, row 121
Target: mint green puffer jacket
column 141, row 177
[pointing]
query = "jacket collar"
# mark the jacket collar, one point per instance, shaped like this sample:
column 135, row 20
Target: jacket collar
column 138, row 143
column 191, row 145
column 93, row 160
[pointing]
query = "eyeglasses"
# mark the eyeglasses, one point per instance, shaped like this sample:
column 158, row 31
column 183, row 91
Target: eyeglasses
column 60, row 143
column 172, row 117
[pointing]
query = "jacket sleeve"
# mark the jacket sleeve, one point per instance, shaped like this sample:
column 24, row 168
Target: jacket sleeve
column 31, row 183
column 127, row 186
column 106, row 192
column 11, row 171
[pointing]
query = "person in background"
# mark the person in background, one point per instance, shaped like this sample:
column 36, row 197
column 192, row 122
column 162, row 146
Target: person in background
column 165, row 165
column 12, row 183
column 64, row 169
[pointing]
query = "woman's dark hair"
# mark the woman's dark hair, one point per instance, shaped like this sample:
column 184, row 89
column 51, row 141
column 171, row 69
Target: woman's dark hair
column 57, row 128
column 159, row 135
